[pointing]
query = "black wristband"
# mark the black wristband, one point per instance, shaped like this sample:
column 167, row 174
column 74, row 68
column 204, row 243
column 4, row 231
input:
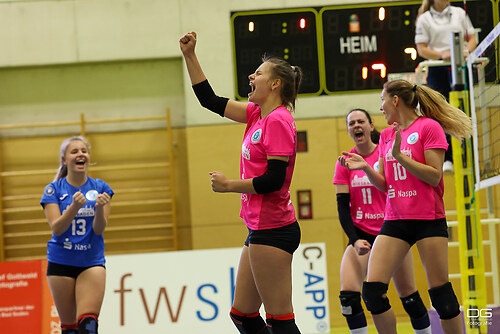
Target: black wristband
column 273, row 179
column 208, row 99
column 344, row 210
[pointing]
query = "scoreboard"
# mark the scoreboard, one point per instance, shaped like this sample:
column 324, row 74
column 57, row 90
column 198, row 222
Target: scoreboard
column 368, row 43
column 288, row 34
column 341, row 48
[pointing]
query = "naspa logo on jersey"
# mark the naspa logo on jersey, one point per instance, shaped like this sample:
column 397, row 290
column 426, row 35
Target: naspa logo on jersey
column 67, row 244
column 256, row 136
column 359, row 214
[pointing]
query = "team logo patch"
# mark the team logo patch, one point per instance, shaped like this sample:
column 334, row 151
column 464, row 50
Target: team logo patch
column 91, row 195
column 49, row 191
column 375, row 166
column 256, row 136
column 412, row 139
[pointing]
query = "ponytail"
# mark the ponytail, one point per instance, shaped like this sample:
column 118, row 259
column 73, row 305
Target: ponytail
column 432, row 105
column 290, row 76
column 62, row 171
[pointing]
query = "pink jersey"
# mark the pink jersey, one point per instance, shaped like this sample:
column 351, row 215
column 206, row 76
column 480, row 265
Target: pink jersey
column 407, row 196
column 367, row 202
column 275, row 135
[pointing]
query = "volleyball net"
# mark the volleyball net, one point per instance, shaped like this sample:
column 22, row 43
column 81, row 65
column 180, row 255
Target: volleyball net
column 484, row 90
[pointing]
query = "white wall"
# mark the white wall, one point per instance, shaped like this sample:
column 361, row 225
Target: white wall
column 48, row 33
column 214, row 47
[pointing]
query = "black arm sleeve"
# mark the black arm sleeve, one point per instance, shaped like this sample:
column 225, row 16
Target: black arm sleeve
column 343, row 200
column 208, row 99
column 273, row 179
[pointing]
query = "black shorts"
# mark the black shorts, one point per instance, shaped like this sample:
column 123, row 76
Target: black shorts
column 364, row 235
column 286, row 238
column 413, row 230
column 56, row 269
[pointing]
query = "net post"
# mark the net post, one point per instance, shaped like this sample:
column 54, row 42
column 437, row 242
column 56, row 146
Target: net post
column 473, row 281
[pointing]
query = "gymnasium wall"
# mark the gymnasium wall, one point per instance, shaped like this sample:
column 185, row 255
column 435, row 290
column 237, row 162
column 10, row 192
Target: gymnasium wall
column 43, row 33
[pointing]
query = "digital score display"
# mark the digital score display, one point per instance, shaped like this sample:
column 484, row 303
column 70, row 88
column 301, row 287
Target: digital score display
column 342, row 48
column 288, row 34
column 364, row 43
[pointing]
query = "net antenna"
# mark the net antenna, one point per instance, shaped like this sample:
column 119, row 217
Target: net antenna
column 465, row 22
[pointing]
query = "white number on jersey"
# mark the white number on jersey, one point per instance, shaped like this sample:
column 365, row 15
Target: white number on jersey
column 399, row 172
column 367, row 195
column 80, row 229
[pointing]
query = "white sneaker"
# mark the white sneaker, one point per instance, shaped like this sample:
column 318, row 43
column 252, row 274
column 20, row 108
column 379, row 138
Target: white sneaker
column 448, row 167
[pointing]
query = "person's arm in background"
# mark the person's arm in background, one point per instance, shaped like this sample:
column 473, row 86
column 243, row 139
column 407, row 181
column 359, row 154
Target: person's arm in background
column 425, row 52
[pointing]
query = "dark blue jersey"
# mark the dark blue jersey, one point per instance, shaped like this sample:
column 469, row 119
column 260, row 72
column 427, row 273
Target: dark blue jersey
column 79, row 245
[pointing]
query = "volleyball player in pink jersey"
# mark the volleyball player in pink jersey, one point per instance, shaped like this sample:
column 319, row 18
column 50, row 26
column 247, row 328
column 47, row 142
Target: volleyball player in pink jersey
column 266, row 168
column 361, row 209
column 411, row 172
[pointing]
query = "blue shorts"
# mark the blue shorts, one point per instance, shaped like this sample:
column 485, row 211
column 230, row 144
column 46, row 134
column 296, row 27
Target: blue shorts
column 286, row 238
column 413, row 230
column 56, row 269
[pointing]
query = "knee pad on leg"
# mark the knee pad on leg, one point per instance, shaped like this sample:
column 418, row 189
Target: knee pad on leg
column 248, row 323
column 282, row 324
column 373, row 296
column 69, row 329
column 350, row 302
column 445, row 301
column 417, row 311
column 414, row 305
column 87, row 323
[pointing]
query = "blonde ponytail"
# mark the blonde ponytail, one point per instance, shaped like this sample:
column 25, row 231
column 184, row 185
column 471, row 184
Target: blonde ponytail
column 453, row 120
column 432, row 105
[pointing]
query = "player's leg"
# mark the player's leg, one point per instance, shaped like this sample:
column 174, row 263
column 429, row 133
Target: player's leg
column 434, row 255
column 271, row 268
column 62, row 288
column 352, row 273
column 386, row 256
column 90, row 286
column 245, row 310
column 404, row 281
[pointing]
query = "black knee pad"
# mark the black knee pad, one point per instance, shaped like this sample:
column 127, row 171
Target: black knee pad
column 69, row 329
column 414, row 305
column 445, row 301
column 350, row 302
column 87, row 324
column 249, row 325
column 282, row 326
column 372, row 295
